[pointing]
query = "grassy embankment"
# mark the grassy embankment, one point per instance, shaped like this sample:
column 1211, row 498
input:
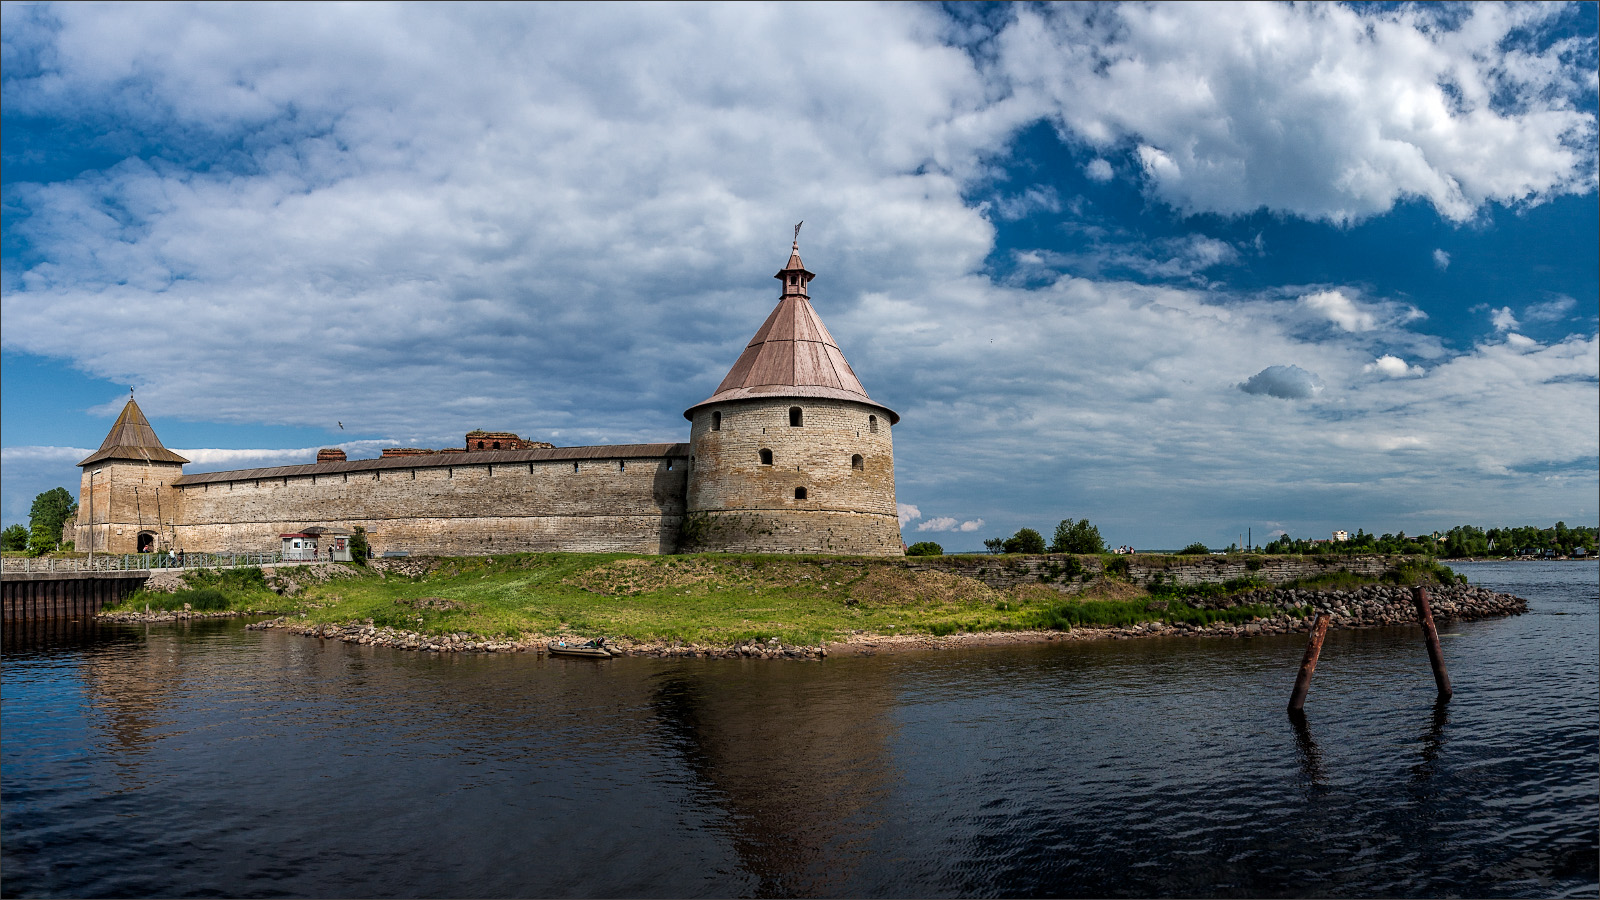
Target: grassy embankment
column 712, row 599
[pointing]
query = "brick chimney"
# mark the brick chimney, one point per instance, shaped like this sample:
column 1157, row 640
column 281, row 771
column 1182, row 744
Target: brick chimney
column 330, row 454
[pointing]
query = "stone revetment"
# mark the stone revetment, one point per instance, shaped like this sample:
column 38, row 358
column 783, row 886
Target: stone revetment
column 789, row 454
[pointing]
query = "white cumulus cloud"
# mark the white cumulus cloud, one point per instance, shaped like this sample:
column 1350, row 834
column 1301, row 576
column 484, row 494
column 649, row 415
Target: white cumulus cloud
column 1392, row 366
column 1318, row 110
column 1340, row 310
column 1441, row 260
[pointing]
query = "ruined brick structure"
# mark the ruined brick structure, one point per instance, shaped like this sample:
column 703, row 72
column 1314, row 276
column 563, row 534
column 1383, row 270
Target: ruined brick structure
column 790, row 454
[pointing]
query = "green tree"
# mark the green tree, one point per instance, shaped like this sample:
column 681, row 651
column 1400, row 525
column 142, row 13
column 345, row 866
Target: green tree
column 1195, row 549
column 15, row 537
column 925, row 548
column 1026, row 540
column 359, row 548
column 1077, row 537
column 994, row 545
column 50, row 511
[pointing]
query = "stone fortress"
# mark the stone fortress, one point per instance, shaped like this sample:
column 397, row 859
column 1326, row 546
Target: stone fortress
column 789, row 455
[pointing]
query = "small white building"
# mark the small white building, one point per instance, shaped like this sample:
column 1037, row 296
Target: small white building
column 1341, row 536
column 316, row 543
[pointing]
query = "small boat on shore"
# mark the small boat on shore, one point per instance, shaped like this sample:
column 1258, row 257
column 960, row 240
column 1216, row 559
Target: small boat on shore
column 589, row 650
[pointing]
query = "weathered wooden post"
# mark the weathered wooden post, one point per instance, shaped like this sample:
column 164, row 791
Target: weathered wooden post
column 1419, row 596
column 1308, row 664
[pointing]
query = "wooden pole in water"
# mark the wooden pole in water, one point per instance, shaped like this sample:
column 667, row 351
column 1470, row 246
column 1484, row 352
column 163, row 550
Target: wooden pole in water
column 1419, row 596
column 1308, row 664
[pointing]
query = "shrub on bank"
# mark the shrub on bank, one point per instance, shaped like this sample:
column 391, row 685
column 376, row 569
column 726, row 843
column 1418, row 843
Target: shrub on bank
column 209, row 590
column 925, row 548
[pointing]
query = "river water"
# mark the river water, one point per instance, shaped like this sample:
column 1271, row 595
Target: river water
column 209, row 760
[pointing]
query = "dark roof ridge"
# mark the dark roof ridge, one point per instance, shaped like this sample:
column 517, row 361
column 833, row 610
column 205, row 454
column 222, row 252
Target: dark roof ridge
column 441, row 460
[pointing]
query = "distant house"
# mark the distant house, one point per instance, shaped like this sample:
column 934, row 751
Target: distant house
column 1340, row 536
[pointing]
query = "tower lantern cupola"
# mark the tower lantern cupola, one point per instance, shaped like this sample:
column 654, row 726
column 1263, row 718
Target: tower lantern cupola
column 794, row 275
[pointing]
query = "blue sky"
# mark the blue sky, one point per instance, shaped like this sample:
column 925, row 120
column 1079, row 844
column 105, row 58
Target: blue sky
column 1184, row 270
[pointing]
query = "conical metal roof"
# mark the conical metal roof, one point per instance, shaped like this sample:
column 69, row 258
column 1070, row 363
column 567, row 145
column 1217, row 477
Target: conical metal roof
column 133, row 438
column 792, row 355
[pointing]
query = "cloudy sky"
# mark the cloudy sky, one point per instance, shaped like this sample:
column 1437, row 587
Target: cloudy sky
column 1183, row 270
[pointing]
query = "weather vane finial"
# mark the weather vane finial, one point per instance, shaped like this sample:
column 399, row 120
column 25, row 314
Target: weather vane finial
column 797, row 232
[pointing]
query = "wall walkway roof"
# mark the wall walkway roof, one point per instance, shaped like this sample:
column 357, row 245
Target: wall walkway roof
column 441, row 460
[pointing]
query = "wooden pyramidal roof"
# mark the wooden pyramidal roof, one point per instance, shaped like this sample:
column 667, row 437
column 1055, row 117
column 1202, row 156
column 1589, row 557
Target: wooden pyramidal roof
column 133, row 438
column 792, row 354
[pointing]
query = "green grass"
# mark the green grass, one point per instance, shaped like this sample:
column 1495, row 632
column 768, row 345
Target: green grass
column 713, row 599
column 210, row 590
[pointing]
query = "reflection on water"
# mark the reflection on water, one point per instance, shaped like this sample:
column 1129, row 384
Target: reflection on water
column 1310, row 753
column 799, row 766
column 207, row 760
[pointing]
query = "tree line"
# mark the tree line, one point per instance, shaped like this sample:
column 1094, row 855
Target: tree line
column 1459, row 542
column 1070, row 537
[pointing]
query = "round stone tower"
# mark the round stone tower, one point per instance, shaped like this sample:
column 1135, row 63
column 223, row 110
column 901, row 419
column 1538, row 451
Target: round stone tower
column 790, row 455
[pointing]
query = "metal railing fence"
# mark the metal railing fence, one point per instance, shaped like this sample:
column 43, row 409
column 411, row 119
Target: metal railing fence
column 140, row 561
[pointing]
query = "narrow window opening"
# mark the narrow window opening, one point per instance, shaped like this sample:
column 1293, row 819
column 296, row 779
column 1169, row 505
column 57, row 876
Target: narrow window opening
column 347, row 478
column 622, row 466
column 716, row 421
column 377, row 476
column 480, row 445
column 766, row 457
column 530, row 468
column 413, row 474
column 669, row 465
column 574, row 467
column 857, row 463
column 800, row 493
column 491, row 471
column 496, row 445
column 796, row 418
column 450, row 472
column 872, row 424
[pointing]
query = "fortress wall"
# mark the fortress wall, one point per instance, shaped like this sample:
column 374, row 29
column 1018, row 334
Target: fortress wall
column 751, row 507
column 631, row 505
column 776, row 531
column 728, row 474
column 128, row 497
column 1007, row 572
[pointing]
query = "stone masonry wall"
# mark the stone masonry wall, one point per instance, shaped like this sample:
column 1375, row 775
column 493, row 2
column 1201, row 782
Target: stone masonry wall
column 750, row 506
column 128, row 497
column 1006, row 572
column 633, row 505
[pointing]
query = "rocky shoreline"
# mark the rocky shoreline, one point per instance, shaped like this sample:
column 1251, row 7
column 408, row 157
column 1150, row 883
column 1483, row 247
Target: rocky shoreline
column 1370, row 606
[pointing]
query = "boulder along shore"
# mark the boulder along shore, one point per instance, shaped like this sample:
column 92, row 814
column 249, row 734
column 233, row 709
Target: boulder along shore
column 1369, row 606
